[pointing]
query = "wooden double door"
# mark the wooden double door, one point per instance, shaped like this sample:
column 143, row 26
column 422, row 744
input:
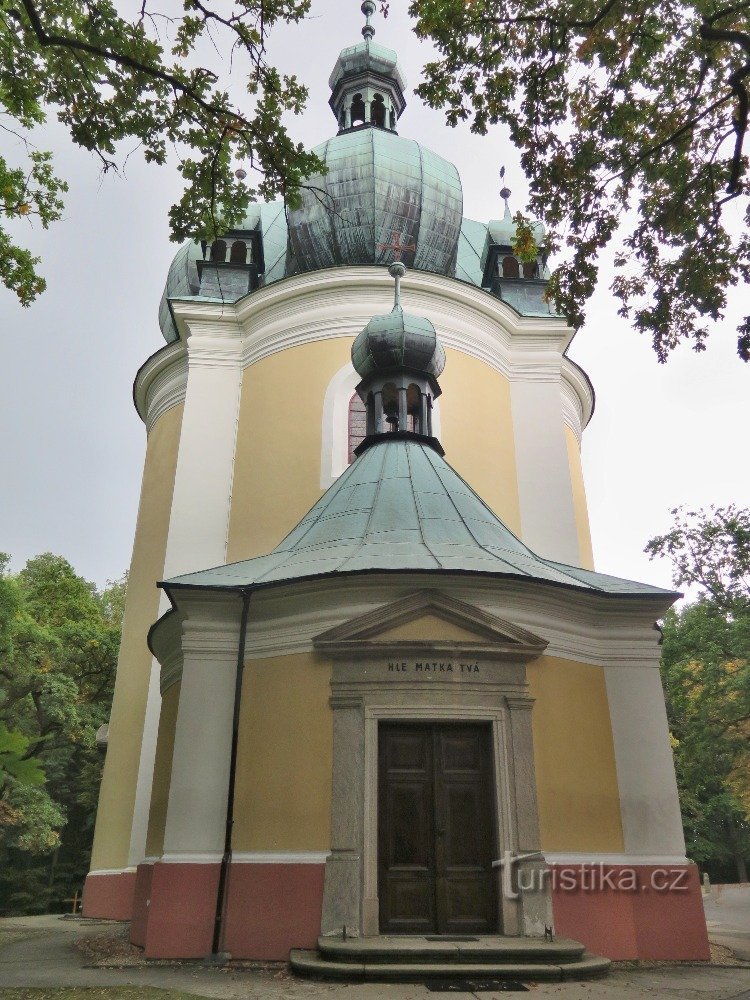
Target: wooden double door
column 436, row 829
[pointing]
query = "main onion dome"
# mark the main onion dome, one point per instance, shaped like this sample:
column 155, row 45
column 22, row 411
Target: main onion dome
column 380, row 192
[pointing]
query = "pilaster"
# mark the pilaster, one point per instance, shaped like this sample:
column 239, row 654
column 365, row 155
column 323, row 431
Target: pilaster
column 545, row 491
column 199, row 520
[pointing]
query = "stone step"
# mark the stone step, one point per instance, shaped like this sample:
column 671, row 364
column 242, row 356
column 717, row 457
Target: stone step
column 480, row 949
column 311, row 963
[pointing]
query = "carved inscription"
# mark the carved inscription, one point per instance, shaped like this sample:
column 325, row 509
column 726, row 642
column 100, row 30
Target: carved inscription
column 431, row 667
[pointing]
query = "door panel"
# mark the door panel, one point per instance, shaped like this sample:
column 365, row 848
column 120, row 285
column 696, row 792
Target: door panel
column 436, row 829
column 406, row 844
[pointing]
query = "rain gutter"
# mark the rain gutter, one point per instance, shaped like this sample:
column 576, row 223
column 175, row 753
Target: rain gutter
column 221, row 894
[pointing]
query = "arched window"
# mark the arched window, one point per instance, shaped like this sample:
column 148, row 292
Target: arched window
column 358, row 110
column 377, row 111
column 357, row 424
column 390, row 407
column 529, row 269
column 414, row 410
column 219, row 251
column 238, row 252
column 510, row 267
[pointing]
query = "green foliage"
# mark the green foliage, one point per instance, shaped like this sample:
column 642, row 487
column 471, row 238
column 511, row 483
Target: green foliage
column 15, row 766
column 706, row 674
column 109, row 78
column 58, row 649
column 630, row 116
column 712, row 551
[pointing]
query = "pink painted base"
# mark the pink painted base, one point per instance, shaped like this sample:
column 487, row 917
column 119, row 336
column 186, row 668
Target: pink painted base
column 180, row 919
column 141, row 905
column 109, row 896
column 650, row 912
column 272, row 909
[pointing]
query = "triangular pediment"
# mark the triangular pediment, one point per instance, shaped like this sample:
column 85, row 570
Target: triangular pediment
column 430, row 621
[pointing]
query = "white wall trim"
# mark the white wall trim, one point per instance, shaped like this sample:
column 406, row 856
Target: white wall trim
column 334, row 450
column 113, row 871
column 186, row 858
column 201, row 499
column 279, row 857
column 649, row 802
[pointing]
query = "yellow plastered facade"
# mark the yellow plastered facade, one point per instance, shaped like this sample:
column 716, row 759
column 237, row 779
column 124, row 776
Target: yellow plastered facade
column 580, row 507
column 157, row 817
column 476, row 430
column 429, row 627
column 285, row 754
column 117, row 795
column 277, row 461
column 578, row 795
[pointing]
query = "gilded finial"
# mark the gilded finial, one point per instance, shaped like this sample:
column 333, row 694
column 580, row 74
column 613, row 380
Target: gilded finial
column 368, row 9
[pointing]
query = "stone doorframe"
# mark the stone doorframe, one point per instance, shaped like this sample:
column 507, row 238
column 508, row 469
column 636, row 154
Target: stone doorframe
column 376, row 679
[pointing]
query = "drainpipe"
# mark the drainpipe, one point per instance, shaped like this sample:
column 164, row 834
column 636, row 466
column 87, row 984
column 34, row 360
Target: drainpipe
column 227, row 855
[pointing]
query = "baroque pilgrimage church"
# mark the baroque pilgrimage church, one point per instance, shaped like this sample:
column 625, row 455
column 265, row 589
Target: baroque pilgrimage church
column 382, row 703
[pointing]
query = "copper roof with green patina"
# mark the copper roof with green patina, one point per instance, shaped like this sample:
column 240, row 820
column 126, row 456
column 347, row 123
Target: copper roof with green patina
column 398, row 340
column 401, row 507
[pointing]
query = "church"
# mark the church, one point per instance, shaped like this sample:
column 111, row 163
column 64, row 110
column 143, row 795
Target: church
column 373, row 703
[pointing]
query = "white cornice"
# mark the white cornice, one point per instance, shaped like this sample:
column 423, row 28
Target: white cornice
column 337, row 302
column 579, row 626
column 577, row 397
column 161, row 383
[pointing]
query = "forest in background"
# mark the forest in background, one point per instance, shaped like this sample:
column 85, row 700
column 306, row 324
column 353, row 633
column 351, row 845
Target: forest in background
column 59, row 638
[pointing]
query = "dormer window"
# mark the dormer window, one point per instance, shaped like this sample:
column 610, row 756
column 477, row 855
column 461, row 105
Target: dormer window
column 238, row 252
column 219, row 251
column 510, row 267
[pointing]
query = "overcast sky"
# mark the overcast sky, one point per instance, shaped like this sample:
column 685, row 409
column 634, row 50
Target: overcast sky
column 72, row 444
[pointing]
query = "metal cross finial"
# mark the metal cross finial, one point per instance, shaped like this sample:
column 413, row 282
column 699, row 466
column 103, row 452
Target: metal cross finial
column 397, row 270
column 368, row 9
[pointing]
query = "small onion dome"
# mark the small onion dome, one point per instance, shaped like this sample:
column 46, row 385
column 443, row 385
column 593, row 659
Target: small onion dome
column 503, row 231
column 398, row 341
column 367, row 57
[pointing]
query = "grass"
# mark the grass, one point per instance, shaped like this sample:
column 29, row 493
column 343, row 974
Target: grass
column 98, row 993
